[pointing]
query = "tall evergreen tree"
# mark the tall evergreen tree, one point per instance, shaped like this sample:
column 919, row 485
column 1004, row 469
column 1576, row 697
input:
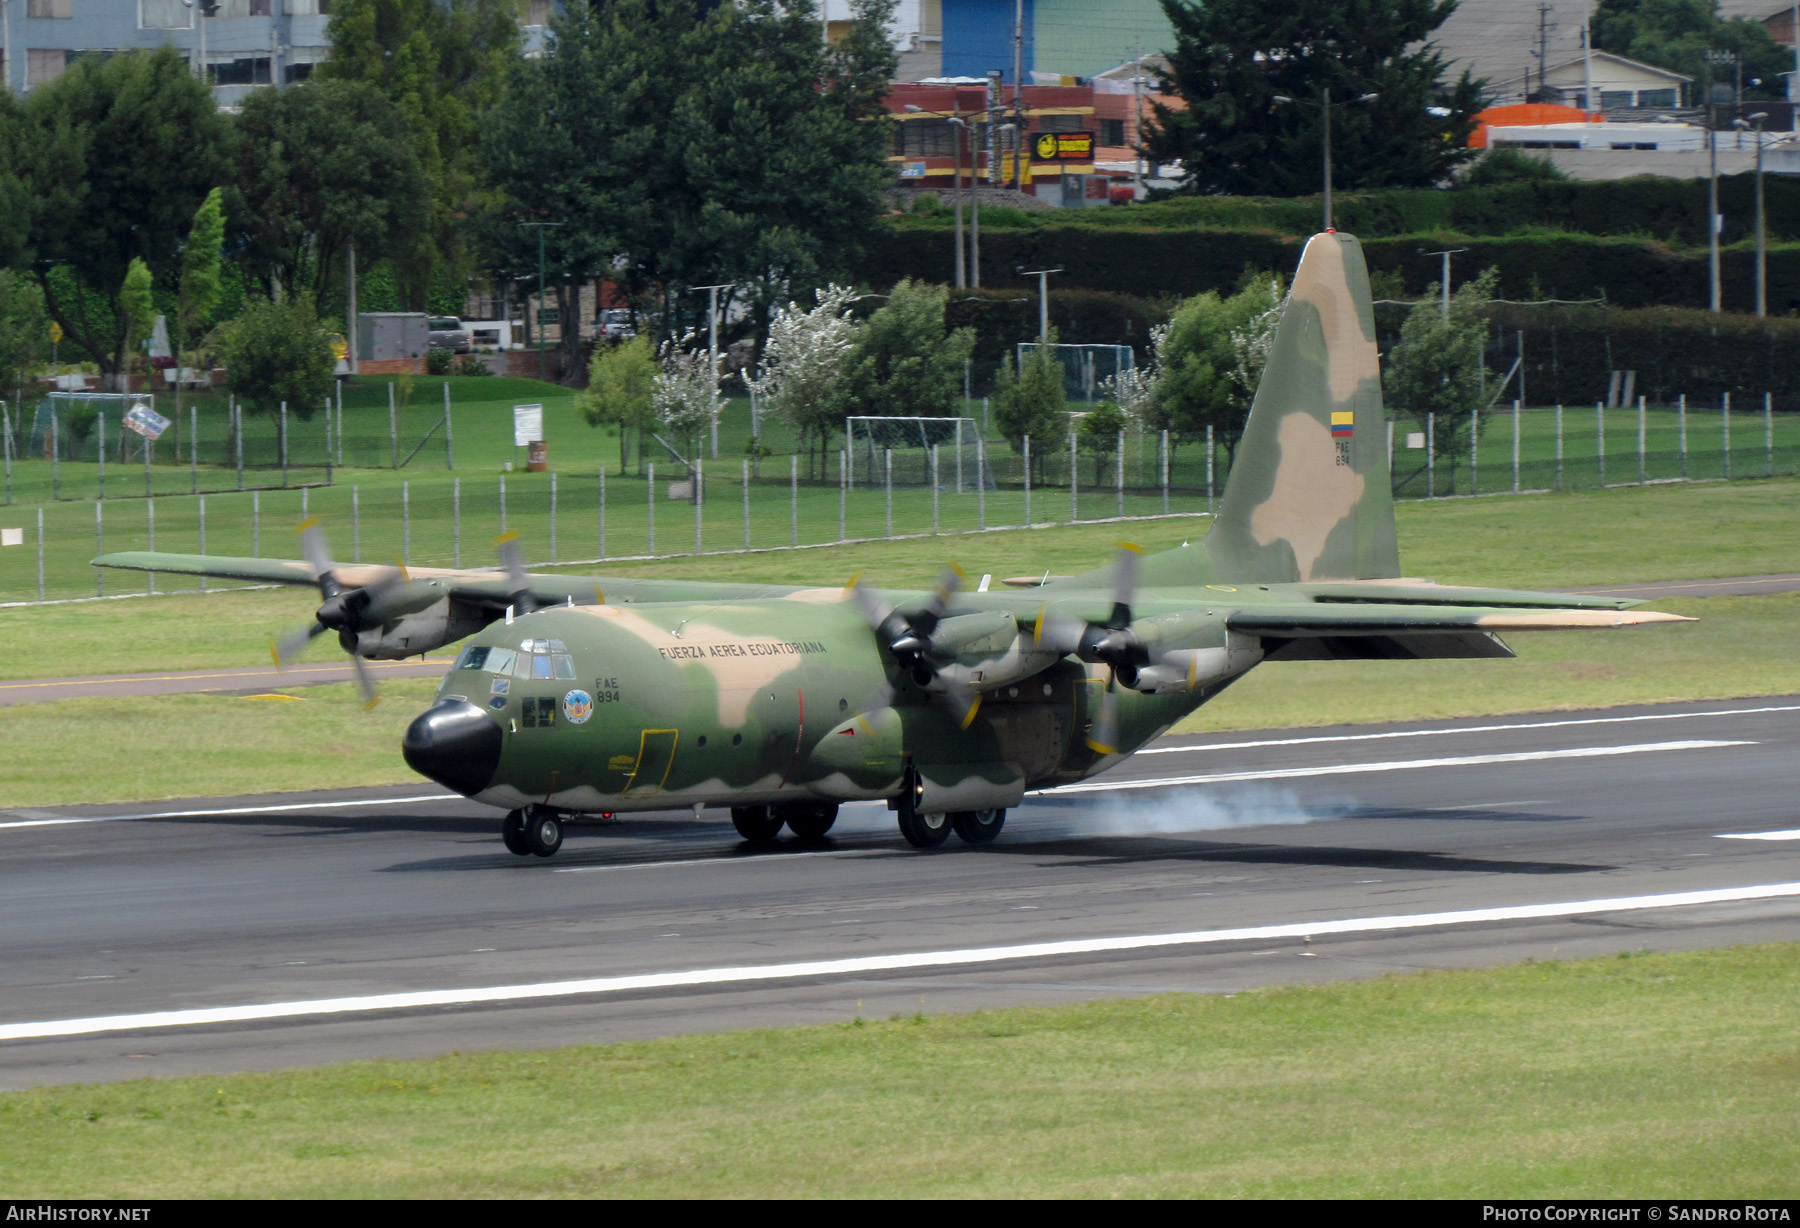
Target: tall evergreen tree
column 1233, row 58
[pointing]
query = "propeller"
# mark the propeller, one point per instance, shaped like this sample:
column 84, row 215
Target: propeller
column 341, row 610
column 907, row 639
column 512, row 559
column 1112, row 643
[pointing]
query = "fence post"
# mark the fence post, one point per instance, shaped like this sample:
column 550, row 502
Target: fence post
column 256, row 523
column 405, row 523
column 1431, row 456
column 456, row 522
column 650, row 532
column 603, row 513
column 1518, row 412
column 100, row 548
column 393, row 432
column 202, row 499
column 503, row 505
column 1209, row 467
column 981, row 483
column 699, row 502
column 328, row 437
column 887, row 466
column 6, row 450
column 56, row 458
column 552, row 517
column 1162, row 454
column 1681, row 426
column 1474, row 471
column 843, row 491
column 355, row 524
column 194, row 456
column 150, row 520
column 1027, row 479
column 1600, row 439
column 1559, row 448
column 40, row 558
column 1642, row 472
column 794, row 495
column 1390, row 451
column 100, row 426
column 1725, row 431
column 338, row 390
column 746, row 476
column 284, row 446
column 303, row 512
column 235, row 413
column 1768, row 435
column 934, row 490
column 449, row 443
column 959, row 448
column 1121, row 473
column 1074, row 490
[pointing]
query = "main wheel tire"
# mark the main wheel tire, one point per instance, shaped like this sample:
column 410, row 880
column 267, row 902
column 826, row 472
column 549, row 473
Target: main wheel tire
column 924, row 831
column 978, row 826
column 810, row 822
column 757, row 824
column 512, row 833
column 543, row 832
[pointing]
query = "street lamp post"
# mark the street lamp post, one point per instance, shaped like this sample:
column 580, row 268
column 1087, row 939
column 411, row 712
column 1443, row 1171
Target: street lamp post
column 962, row 127
column 1325, row 104
column 203, row 9
column 1043, row 276
column 541, row 227
column 1762, row 267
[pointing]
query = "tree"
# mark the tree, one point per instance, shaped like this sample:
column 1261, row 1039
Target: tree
column 1677, row 34
column 198, row 291
column 907, row 363
column 443, row 64
column 685, row 397
column 1030, row 402
column 685, row 143
column 1211, row 360
column 1509, row 165
column 136, row 307
column 319, row 166
column 24, row 328
column 621, row 387
column 1232, row 58
column 1099, row 434
column 277, row 351
column 1437, row 367
column 118, row 153
column 803, row 366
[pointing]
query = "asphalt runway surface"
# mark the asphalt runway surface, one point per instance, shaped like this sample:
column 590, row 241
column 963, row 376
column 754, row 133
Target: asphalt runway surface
column 258, row 933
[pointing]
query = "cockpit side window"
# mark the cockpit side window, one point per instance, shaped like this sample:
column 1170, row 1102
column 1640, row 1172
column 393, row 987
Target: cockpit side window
column 473, row 658
column 565, row 664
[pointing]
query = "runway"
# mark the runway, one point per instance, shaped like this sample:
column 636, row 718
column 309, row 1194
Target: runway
column 256, row 933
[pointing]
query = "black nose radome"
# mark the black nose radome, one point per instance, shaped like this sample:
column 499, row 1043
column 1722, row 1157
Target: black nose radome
column 456, row 744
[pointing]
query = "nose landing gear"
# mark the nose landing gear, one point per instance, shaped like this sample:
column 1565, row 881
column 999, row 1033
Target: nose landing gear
column 534, row 830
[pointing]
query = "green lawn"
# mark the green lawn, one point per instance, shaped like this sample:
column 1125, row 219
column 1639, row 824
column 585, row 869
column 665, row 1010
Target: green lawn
column 1648, row 1076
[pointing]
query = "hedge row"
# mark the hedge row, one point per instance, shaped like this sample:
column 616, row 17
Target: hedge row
column 1647, row 206
column 1627, row 272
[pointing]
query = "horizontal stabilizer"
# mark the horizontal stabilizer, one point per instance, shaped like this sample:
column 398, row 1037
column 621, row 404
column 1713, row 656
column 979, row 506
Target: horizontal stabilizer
column 1373, row 619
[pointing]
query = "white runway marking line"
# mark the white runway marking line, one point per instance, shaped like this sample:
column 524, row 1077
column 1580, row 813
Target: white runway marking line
column 201, row 814
column 1791, row 834
column 760, row 859
column 1393, row 765
column 204, row 1016
column 1434, row 733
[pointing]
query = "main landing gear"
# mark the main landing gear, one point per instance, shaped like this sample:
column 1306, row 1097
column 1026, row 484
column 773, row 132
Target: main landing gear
column 761, row 824
column 929, row 831
column 534, row 830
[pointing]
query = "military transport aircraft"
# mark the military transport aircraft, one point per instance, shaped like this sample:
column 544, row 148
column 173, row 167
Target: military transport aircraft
column 579, row 697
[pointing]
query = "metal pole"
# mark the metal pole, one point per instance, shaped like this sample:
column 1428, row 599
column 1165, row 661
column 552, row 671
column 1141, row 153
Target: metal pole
column 503, row 505
column 981, row 483
column 934, row 490
column 149, row 448
column 202, row 501
column 1325, row 109
column 100, row 548
column 150, row 520
column 602, row 513
column 794, row 498
column 1518, row 412
column 256, row 522
column 194, row 452
column 1474, row 434
column 1074, row 493
column 99, row 425
column 340, row 424
column 236, row 414
column 449, row 444
column 6, row 448
column 887, row 464
column 843, row 491
column 56, row 458
column 959, row 448
column 1162, row 462
column 1559, row 447
column 1121, row 473
column 1725, row 431
column 284, row 446
column 1642, row 475
column 355, row 524
column 40, row 556
column 1210, row 454
column 1028, row 479
column 328, row 438
column 650, row 472
column 1431, row 456
column 1712, row 206
column 746, row 477
column 553, row 517
column 1600, row 438
column 1681, row 426
column 699, row 499
column 1768, row 435
column 393, row 431
column 456, row 522
column 1762, row 266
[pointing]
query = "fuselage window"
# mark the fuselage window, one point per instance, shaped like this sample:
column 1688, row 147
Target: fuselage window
column 565, row 664
column 542, row 667
column 473, row 658
column 537, row 713
column 500, row 661
column 522, row 669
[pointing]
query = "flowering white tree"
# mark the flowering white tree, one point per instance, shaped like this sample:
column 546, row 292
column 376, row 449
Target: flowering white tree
column 686, row 396
column 1133, row 390
column 803, row 365
column 1251, row 342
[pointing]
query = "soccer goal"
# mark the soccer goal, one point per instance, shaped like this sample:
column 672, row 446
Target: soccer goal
column 874, row 443
column 80, row 424
column 1086, row 368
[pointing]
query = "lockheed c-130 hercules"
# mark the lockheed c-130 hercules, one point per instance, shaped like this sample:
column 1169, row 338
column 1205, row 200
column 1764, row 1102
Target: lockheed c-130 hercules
column 576, row 697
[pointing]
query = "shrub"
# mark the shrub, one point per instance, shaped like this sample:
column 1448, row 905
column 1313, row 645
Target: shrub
column 438, row 361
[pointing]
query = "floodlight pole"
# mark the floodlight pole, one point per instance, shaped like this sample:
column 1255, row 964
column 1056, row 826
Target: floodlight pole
column 1043, row 276
column 541, row 226
column 1444, row 282
column 712, row 345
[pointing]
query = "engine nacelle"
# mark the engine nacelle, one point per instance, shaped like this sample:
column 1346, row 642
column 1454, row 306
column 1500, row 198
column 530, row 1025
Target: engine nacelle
column 441, row 622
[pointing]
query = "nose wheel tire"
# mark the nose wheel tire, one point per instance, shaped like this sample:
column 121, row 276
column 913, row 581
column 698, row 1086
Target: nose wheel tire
column 512, row 833
column 810, row 822
column 978, row 826
column 924, row 831
column 543, row 832
column 757, row 824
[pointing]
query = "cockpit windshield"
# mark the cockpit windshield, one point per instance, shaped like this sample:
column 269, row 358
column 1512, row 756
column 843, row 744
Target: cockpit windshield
column 532, row 659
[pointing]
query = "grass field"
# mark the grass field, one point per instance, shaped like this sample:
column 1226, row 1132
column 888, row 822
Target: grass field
column 1646, row 1076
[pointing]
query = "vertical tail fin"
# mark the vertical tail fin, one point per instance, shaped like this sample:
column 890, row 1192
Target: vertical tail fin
column 1309, row 496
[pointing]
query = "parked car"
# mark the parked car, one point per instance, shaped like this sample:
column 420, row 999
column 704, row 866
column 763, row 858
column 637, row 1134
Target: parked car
column 447, row 333
column 614, row 324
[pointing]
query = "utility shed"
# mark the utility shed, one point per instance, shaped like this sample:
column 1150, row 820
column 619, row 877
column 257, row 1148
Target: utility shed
column 382, row 336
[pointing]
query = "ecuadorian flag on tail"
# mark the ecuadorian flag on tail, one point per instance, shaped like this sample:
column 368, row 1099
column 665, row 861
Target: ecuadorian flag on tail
column 1343, row 423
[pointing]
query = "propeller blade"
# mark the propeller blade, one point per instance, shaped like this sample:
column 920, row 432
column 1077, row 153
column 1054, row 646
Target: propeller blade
column 1104, row 737
column 512, row 558
column 963, row 702
column 932, row 612
column 364, row 683
column 1125, row 565
column 294, row 642
column 317, row 553
column 1057, row 633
